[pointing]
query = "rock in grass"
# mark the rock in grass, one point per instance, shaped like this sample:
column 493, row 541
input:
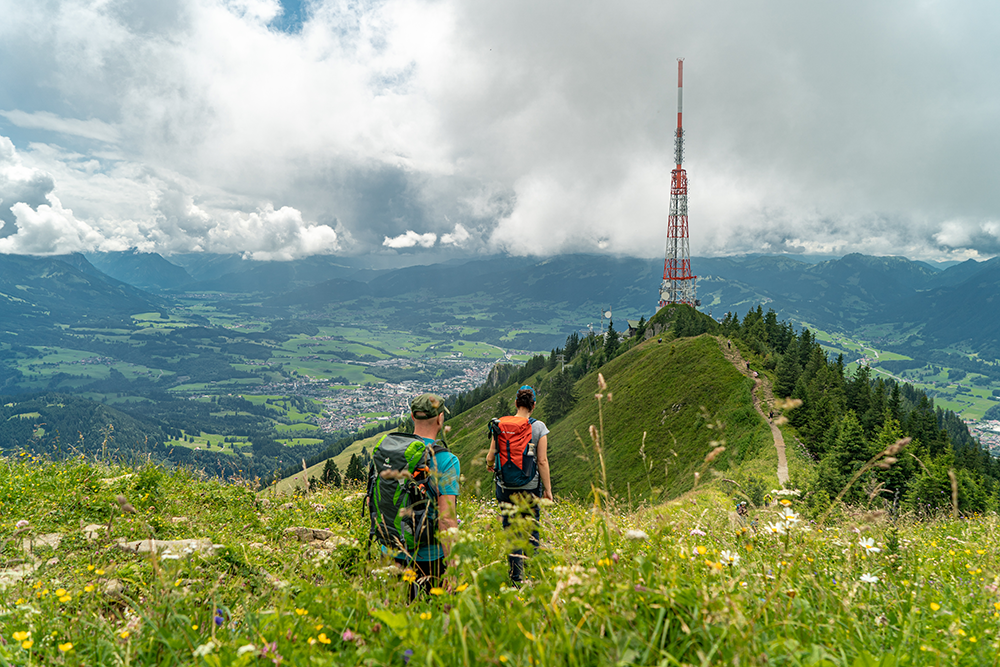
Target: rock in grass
column 167, row 546
column 15, row 574
column 47, row 540
column 309, row 535
column 93, row 531
column 114, row 588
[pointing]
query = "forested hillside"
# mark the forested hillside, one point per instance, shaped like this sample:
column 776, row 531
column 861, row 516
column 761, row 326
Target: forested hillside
column 669, row 383
column 844, row 420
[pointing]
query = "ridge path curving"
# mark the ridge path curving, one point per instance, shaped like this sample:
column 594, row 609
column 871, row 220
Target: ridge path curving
column 762, row 393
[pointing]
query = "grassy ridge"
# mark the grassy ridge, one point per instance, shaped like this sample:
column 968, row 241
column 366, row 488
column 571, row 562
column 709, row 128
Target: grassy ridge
column 295, row 483
column 664, row 390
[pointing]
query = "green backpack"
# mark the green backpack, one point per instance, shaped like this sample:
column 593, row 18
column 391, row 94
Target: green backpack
column 402, row 495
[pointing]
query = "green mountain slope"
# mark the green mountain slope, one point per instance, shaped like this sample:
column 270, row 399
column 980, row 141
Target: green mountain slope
column 37, row 294
column 671, row 391
column 148, row 271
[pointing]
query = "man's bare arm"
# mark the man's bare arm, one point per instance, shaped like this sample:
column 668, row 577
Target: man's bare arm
column 447, row 517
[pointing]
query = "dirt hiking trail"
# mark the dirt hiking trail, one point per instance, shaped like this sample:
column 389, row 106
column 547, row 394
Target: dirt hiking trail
column 762, row 394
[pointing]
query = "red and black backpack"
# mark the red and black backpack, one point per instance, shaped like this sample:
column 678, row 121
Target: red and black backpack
column 516, row 465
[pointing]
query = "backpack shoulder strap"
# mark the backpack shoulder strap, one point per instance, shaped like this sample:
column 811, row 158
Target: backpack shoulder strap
column 436, row 449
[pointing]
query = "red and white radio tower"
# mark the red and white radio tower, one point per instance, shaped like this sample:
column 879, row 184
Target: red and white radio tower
column 678, row 283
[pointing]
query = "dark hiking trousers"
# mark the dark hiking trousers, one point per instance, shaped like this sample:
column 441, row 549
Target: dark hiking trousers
column 520, row 498
column 429, row 574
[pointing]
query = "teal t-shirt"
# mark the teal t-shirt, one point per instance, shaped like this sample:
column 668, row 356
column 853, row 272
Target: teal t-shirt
column 447, row 470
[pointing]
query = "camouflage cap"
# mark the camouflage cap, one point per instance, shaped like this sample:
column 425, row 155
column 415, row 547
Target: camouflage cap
column 427, row 406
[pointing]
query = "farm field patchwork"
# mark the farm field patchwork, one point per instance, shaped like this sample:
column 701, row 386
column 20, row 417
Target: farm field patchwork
column 968, row 394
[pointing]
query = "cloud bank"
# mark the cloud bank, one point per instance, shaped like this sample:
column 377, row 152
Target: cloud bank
column 406, row 125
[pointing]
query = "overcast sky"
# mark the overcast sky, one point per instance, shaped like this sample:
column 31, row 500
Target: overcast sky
column 284, row 129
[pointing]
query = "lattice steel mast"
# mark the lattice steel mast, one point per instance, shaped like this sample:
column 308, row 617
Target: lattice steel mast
column 678, row 284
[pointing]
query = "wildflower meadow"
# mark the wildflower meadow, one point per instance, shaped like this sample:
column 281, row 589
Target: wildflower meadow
column 251, row 580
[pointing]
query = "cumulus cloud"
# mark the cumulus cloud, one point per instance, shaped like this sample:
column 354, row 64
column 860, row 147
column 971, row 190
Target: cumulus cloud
column 521, row 126
column 147, row 210
column 411, row 239
column 49, row 230
column 267, row 234
column 19, row 183
column 983, row 235
column 459, row 236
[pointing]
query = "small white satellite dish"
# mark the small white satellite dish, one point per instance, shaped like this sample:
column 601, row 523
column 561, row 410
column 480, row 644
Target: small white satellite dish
column 608, row 314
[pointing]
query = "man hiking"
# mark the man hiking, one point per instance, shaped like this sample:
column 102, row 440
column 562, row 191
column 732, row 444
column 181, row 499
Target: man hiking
column 412, row 493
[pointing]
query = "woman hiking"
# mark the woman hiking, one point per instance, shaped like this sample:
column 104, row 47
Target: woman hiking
column 521, row 444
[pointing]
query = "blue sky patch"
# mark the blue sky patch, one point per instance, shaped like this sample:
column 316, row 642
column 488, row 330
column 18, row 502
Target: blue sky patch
column 292, row 18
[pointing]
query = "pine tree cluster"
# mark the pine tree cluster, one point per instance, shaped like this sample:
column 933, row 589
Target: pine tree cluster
column 846, row 420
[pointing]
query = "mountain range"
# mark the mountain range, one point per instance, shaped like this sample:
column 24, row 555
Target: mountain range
column 949, row 308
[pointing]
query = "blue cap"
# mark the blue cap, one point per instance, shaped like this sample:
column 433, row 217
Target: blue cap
column 529, row 388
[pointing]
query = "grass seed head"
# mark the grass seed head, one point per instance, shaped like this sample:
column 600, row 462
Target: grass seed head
column 714, row 453
column 125, row 505
column 896, row 447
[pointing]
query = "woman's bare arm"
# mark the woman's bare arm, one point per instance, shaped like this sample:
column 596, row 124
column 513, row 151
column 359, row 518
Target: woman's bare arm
column 543, row 466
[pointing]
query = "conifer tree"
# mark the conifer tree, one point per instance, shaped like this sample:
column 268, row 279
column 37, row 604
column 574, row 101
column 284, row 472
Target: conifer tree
column 503, row 408
column 640, row 330
column 355, row 472
column 788, row 373
column 848, row 455
column 558, row 400
column 331, row 473
column 897, row 476
column 610, row 341
column 572, row 345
